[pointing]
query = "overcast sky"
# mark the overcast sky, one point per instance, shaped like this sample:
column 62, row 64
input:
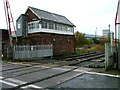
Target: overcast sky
column 85, row 14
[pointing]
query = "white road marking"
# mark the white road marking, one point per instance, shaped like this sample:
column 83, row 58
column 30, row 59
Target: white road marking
column 11, row 84
column 103, row 74
column 17, row 82
column 65, row 80
column 77, row 70
column 44, row 67
column 110, row 75
column 64, row 69
column 8, row 83
column 1, row 77
column 22, row 82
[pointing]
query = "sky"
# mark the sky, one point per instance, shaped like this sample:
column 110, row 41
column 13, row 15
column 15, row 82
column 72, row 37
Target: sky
column 86, row 15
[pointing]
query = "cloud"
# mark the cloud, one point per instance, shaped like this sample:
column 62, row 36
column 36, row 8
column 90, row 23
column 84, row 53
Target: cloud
column 85, row 14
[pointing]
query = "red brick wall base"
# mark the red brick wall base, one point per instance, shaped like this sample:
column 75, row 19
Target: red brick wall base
column 62, row 44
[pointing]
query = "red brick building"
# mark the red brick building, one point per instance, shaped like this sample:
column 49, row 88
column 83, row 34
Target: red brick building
column 4, row 40
column 37, row 27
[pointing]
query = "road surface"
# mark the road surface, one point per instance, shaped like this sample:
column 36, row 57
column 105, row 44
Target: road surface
column 31, row 76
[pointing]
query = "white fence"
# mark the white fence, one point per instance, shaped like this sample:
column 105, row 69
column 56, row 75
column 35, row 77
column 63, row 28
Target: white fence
column 34, row 51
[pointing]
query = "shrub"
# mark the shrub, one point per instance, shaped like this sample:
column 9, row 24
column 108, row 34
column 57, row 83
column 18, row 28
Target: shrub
column 97, row 48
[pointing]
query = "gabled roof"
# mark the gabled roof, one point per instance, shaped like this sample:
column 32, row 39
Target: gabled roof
column 50, row 16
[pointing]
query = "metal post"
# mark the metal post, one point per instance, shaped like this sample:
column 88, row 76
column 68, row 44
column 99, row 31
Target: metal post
column 116, row 17
column 13, row 22
column 109, row 33
column 8, row 22
column 96, row 33
column 112, row 41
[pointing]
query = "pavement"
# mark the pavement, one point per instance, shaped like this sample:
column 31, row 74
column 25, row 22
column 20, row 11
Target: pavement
column 68, row 77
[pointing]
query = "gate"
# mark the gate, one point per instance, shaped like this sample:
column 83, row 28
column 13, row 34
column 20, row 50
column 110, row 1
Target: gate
column 34, row 51
column 109, row 56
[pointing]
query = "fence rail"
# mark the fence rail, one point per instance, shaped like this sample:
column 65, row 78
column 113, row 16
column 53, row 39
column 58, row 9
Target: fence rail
column 34, row 51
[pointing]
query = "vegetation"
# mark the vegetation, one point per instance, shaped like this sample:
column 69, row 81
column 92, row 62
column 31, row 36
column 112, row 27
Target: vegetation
column 86, row 45
column 81, row 40
column 97, row 48
column 90, row 49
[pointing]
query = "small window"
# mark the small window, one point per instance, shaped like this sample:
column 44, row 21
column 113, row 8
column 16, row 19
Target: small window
column 29, row 26
column 19, row 26
column 59, row 27
column 64, row 27
column 33, row 25
column 44, row 24
column 69, row 28
column 51, row 25
column 56, row 27
column 37, row 25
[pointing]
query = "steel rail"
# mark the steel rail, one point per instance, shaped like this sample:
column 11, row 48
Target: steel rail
column 87, row 58
column 48, row 77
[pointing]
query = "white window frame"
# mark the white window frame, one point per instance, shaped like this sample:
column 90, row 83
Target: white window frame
column 33, row 26
column 44, row 24
column 51, row 25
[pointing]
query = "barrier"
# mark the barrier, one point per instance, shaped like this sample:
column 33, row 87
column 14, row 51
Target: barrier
column 34, row 51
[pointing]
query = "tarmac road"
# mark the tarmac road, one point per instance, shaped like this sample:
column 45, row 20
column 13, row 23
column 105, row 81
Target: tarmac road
column 16, row 74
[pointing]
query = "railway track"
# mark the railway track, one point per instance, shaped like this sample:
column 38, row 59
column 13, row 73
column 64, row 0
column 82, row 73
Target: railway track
column 98, row 64
column 80, row 59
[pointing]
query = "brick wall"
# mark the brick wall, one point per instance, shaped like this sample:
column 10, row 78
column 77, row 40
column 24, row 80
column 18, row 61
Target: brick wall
column 31, row 16
column 61, row 43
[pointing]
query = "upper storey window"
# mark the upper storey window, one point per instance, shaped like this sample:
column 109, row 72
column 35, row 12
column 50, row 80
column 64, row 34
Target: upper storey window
column 33, row 25
column 70, row 28
column 44, row 24
column 51, row 25
column 56, row 26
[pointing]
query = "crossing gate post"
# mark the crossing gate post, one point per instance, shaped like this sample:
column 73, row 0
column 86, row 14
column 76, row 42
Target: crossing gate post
column 119, row 57
column 109, row 56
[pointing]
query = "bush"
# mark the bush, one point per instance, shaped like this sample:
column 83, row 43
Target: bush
column 97, row 48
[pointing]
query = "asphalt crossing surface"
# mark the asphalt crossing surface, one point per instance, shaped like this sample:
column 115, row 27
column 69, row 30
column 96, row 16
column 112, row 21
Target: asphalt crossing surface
column 30, row 77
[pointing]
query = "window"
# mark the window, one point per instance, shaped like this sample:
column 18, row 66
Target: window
column 29, row 26
column 51, row 25
column 59, row 27
column 19, row 25
column 56, row 26
column 37, row 25
column 70, row 28
column 44, row 24
column 33, row 25
column 64, row 27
